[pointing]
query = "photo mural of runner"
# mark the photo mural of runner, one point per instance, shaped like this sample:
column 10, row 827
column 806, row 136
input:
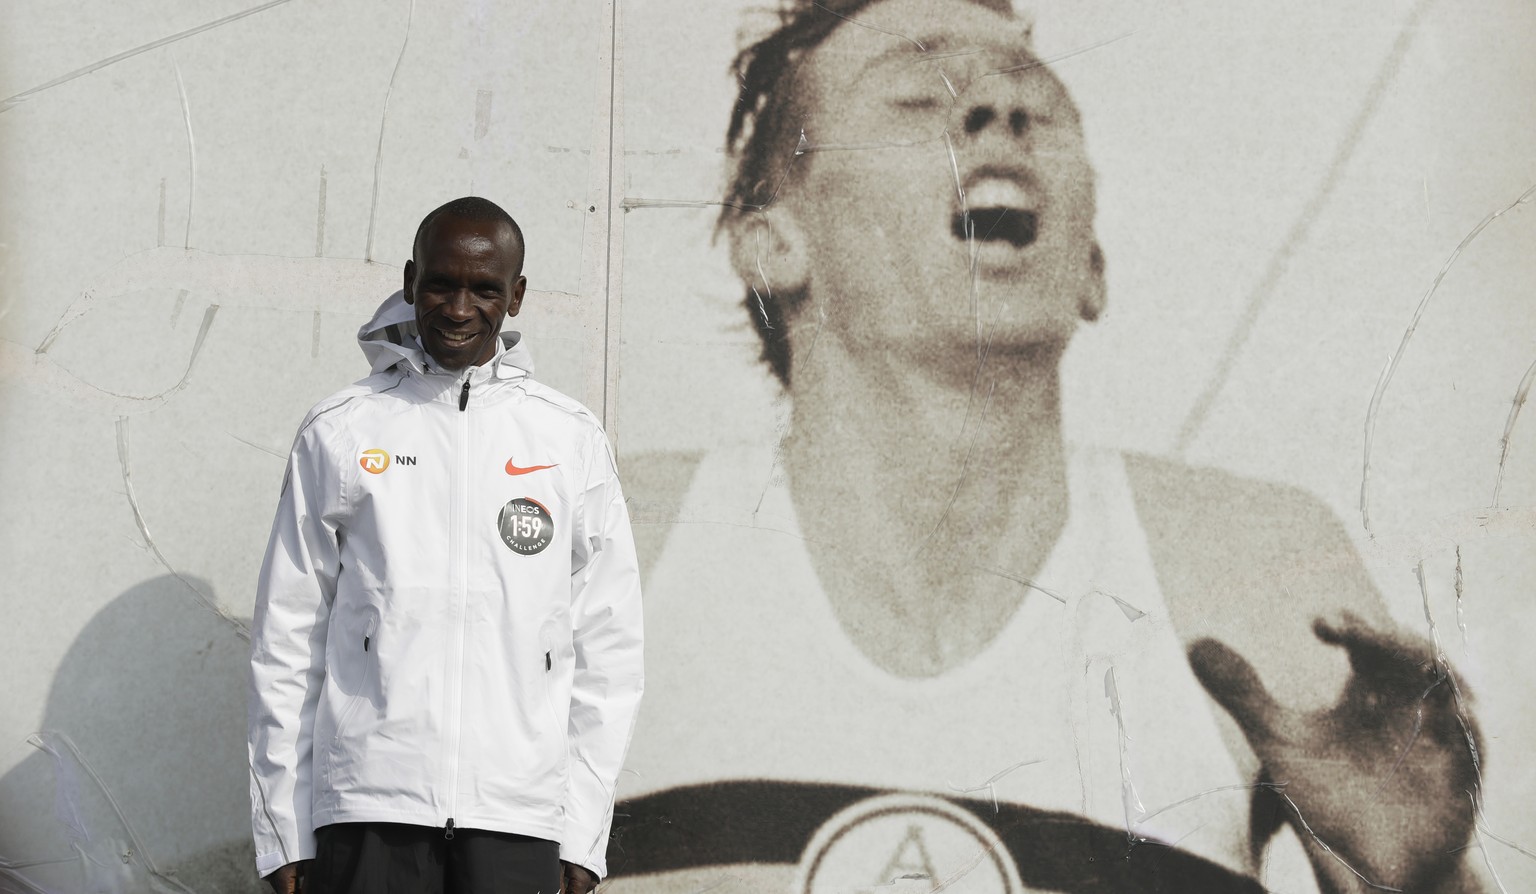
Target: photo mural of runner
column 910, row 629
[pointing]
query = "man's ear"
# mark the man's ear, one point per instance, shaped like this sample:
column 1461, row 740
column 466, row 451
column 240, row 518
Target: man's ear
column 1093, row 301
column 409, row 282
column 515, row 303
column 770, row 250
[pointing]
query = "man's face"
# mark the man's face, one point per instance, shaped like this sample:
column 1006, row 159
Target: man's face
column 463, row 282
column 899, row 134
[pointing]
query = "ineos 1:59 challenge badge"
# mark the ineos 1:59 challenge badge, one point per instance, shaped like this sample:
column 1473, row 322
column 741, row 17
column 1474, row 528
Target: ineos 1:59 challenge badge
column 526, row 526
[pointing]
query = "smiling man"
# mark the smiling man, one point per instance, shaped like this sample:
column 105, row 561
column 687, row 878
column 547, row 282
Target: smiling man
column 925, row 643
column 446, row 651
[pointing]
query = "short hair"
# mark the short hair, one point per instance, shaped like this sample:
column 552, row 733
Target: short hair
column 764, row 137
column 471, row 208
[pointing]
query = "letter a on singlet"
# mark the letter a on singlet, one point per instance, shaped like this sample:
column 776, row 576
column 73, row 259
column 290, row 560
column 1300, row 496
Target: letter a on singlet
column 911, row 858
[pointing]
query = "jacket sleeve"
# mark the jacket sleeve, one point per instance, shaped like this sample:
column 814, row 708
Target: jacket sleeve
column 293, row 603
column 609, row 675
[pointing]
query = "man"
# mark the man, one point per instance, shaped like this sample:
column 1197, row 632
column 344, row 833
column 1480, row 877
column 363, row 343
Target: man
column 945, row 648
column 447, row 639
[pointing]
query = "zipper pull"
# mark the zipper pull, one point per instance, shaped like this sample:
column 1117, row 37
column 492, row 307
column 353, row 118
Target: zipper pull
column 365, row 643
column 548, row 664
column 464, row 396
column 448, row 831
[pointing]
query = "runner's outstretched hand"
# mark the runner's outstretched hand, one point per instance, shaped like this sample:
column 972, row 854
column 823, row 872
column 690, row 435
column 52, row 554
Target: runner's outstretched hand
column 1384, row 779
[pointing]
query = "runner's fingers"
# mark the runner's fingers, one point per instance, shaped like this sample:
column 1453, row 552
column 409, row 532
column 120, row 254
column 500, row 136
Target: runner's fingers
column 1388, row 662
column 1236, row 686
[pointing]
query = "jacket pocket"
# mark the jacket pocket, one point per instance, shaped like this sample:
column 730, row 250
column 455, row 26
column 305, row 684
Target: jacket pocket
column 550, row 668
column 368, row 649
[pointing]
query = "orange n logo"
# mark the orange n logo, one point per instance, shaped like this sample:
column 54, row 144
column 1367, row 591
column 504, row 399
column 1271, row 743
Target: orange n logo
column 374, row 461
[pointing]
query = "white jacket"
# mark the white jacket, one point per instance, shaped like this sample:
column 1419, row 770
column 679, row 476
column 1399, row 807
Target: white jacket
column 447, row 628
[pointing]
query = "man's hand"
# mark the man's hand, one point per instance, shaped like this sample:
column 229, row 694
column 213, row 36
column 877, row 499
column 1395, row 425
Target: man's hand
column 576, row 879
column 290, row 878
column 1384, row 778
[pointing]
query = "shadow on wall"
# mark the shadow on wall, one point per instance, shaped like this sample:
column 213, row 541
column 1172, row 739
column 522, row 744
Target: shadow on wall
column 138, row 781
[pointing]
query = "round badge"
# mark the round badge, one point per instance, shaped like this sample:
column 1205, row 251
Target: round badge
column 906, row 844
column 526, row 526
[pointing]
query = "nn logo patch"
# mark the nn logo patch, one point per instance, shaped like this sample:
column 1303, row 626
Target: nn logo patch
column 375, row 461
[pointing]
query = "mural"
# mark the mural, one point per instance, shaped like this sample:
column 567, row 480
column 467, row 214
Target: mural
column 945, row 598
column 1072, row 446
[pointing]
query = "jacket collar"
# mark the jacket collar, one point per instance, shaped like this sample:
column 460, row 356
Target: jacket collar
column 390, row 339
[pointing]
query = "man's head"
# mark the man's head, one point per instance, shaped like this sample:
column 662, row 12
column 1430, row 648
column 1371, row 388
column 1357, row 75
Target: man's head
column 927, row 180
column 464, row 278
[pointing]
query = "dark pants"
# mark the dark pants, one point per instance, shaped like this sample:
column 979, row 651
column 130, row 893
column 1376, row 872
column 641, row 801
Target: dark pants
column 389, row 858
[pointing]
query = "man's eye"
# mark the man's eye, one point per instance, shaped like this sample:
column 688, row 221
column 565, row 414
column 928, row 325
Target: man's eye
column 916, row 103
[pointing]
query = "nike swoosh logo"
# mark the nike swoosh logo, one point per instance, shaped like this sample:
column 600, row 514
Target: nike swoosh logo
column 524, row 470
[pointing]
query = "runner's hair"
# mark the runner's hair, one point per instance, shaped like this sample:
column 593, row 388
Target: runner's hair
column 763, row 140
column 471, row 208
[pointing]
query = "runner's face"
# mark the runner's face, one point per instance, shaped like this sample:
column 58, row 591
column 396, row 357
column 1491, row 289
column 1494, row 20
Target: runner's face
column 463, row 283
column 898, row 260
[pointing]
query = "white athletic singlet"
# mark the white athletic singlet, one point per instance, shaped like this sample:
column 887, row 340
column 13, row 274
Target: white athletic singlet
column 1083, row 704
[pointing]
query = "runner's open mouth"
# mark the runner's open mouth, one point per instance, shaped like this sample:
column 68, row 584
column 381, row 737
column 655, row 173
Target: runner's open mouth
column 1015, row 226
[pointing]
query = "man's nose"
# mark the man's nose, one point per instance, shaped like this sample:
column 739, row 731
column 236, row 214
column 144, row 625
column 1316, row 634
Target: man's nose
column 459, row 306
column 984, row 118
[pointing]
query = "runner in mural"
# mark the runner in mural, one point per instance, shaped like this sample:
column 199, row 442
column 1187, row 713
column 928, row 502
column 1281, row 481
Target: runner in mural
column 923, row 640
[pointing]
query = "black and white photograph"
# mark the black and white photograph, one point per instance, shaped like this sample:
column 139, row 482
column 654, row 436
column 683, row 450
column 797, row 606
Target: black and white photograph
column 1068, row 447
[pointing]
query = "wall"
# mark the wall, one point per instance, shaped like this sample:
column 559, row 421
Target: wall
column 1319, row 233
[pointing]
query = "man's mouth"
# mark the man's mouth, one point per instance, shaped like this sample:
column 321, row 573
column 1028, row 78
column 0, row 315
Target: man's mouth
column 1000, row 210
column 1014, row 226
column 455, row 339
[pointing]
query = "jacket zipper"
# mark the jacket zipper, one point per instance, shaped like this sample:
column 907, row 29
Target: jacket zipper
column 461, row 563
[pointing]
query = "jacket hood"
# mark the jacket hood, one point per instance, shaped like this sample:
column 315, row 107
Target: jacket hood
column 390, row 339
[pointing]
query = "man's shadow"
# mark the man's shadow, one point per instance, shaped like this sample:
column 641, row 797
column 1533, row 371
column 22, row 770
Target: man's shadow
column 138, row 780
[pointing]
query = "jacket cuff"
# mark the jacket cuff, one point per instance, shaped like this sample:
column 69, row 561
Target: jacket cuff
column 266, row 864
